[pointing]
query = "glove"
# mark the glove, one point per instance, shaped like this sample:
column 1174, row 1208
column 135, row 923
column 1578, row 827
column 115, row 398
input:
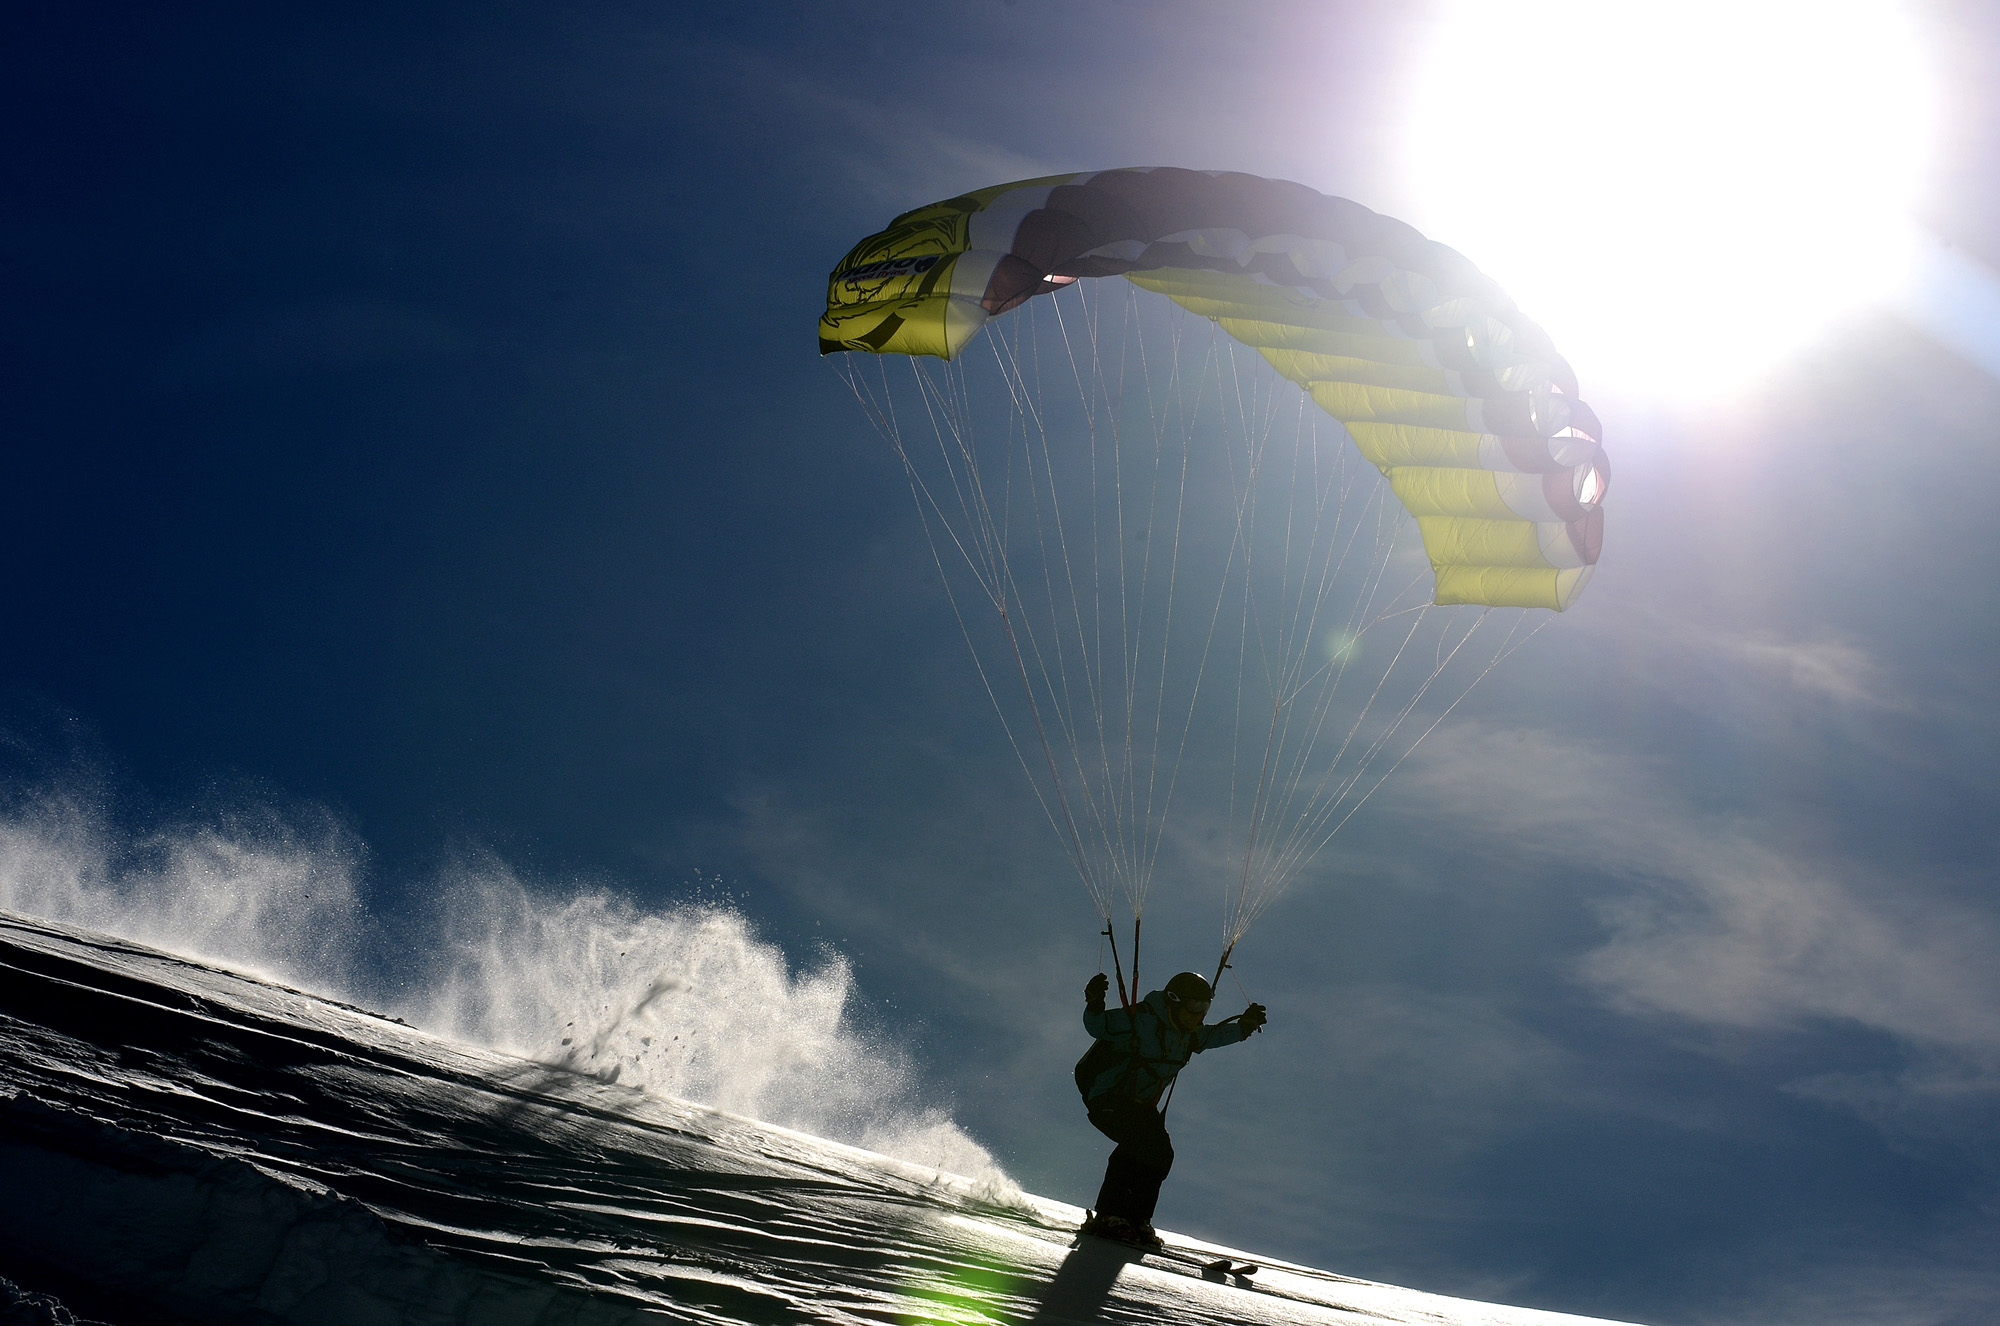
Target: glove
column 1251, row 1018
column 1093, row 993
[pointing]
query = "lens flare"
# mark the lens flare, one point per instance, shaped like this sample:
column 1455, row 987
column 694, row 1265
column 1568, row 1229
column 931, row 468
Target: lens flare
column 1682, row 194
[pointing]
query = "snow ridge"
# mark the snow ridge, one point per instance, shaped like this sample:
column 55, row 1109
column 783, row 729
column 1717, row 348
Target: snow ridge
column 183, row 1144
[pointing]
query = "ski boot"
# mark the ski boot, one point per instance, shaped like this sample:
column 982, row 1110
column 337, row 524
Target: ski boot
column 1120, row 1230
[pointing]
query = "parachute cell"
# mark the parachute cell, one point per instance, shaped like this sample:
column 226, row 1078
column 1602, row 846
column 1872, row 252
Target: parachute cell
column 1437, row 376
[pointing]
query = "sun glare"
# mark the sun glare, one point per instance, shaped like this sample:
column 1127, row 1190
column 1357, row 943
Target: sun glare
column 1682, row 194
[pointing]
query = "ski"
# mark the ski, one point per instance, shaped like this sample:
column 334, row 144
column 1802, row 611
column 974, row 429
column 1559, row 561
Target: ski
column 1218, row 1268
column 1211, row 1268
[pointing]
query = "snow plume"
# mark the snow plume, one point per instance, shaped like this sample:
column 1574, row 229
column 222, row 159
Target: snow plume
column 273, row 895
column 684, row 1001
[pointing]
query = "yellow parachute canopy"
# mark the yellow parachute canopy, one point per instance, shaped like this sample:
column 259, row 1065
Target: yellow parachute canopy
column 1443, row 385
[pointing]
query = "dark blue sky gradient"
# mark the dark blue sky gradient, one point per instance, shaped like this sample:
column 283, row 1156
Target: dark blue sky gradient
column 413, row 411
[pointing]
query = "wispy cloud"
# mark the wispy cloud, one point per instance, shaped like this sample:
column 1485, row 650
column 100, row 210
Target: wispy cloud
column 1733, row 932
column 1678, row 654
column 1717, row 921
column 1831, row 668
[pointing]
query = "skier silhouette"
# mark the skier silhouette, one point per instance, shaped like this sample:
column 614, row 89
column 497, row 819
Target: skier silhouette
column 1138, row 1052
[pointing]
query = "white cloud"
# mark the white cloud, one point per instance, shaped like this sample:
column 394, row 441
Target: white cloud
column 1725, row 925
column 1834, row 669
column 1737, row 933
column 1678, row 654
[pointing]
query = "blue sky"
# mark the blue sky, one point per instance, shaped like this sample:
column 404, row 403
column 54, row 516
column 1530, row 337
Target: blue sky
column 414, row 426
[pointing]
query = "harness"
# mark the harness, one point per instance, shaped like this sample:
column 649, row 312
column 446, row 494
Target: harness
column 1101, row 1055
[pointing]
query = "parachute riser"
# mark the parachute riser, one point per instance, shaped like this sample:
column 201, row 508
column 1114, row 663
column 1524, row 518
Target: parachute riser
column 1222, row 966
column 1136, row 920
column 1124, row 1000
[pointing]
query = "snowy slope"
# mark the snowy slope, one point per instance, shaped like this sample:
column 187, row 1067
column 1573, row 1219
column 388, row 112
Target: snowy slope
column 182, row 1143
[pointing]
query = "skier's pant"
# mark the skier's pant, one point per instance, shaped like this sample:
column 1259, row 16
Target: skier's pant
column 1139, row 1165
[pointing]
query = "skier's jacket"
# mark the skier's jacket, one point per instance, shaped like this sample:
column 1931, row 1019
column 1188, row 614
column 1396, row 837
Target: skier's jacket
column 1139, row 1050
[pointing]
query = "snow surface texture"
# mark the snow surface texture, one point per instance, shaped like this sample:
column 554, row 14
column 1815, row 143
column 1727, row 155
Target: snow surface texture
column 18, row 1307
column 183, row 1144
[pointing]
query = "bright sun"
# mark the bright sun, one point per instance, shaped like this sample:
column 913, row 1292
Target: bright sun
column 1681, row 193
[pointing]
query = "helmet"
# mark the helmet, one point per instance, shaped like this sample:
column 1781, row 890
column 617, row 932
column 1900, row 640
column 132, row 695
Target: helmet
column 1190, row 988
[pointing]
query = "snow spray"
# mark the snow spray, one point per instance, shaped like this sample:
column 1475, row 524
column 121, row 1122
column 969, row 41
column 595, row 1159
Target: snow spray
column 685, row 1001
